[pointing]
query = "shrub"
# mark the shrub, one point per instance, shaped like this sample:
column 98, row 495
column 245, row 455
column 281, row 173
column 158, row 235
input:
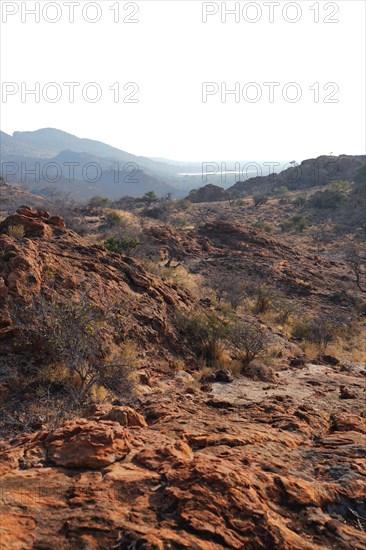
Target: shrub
column 280, row 190
column 183, row 205
column 299, row 201
column 264, row 226
column 263, row 299
column 250, row 342
column 114, row 218
column 65, row 339
column 258, row 371
column 99, row 202
column 319, row 331
column 16, row 231
column 338, row 186
column 326, row 199
column 260, row 199
column 156, row 213
column 122, row 244
column 206, row 334
column 227, row 286
column 295, row 223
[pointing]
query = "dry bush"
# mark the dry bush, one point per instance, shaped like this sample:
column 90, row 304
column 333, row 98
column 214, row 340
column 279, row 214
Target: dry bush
column 67, row 343
column 320, row 331
column 16, row 231
column 263, row 299
column 249, row 341
column 227, row 286
column 114, row 218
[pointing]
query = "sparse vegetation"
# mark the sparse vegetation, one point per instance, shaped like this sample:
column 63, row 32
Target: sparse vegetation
column 320, row 331
column 115, row 219
column 206, row 334
column 99, row 202
column 69, row 354
column 296, row 223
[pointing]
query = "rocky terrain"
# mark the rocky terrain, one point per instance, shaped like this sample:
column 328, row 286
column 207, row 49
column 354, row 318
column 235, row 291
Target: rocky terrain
column 197, row 455
column 247, row 465
column 224, row 246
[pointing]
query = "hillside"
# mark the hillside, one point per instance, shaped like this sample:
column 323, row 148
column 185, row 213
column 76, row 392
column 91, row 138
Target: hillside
column 309, row 173
column 132, row 415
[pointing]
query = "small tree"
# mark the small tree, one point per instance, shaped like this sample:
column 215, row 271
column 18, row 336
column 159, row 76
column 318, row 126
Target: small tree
column 357, row 261
column 149, row 198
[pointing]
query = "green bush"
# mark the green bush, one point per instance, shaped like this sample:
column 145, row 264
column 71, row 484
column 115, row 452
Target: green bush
column 122, row 244
column 148, row 199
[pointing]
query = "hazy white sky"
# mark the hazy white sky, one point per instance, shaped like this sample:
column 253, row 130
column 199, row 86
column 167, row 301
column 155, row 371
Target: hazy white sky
column 169, row 53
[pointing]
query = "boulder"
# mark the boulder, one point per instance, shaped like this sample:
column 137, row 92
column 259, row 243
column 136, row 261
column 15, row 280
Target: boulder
column 82, row 443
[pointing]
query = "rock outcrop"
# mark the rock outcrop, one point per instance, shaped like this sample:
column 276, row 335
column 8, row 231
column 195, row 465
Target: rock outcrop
column 208, row 193
column 47, row 257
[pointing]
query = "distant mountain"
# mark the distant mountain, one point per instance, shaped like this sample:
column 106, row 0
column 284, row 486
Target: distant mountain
column 11, row 147
column 83, row 166
column 51, row 142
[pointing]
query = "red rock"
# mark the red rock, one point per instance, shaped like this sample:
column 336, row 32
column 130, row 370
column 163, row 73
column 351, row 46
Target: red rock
column 85, row 444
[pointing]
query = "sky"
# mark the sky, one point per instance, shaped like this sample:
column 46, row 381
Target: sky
column 154, row 77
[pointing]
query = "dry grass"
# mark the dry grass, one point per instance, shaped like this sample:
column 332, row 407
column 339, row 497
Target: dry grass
column 16, row 231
